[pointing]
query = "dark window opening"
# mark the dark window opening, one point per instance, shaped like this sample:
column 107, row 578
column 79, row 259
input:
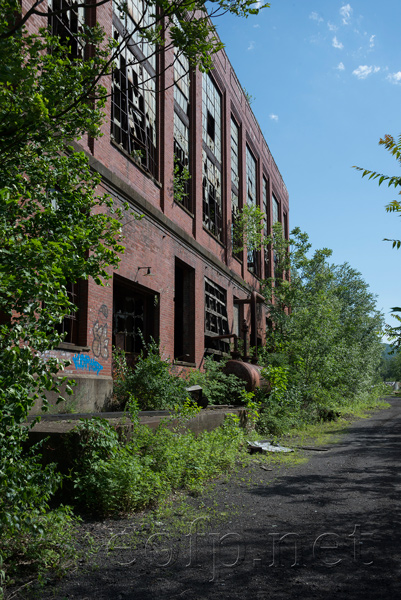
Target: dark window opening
column 181, row 160
column 135, row 318
column 73, row 326
column 216, row 320
column 210, row 125
column 184, row 308
column 68, row 25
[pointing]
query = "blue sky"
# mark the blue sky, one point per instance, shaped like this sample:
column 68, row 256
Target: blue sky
column 326, row 80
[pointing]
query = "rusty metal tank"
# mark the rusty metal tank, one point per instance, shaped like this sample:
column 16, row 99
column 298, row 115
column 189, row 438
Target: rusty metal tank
column 248, row 372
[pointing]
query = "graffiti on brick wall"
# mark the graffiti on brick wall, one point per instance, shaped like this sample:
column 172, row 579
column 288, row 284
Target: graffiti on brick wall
column 84, row 362
column 100, row 344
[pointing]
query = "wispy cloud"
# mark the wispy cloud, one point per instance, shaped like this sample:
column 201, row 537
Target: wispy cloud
column 364, row 71
column 251, row 46
column 394, row 78
column 316, row 17
column 273, row 117
column 346, row 12
column 340, row 67
column 372, row 41
column 331, row 26
column 337, row 44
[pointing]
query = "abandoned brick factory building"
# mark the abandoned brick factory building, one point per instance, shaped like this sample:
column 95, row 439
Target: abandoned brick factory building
column 179, row 280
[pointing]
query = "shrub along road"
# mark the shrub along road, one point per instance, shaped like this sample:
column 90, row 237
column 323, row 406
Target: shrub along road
column 326, row 528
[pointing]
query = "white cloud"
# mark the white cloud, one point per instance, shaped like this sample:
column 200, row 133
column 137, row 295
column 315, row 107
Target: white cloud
column 273, row 117
column 331, row 26
column 364, row 71
column 337, row 44
column 394, row 78
column 257, row 26
column 372, row 41
column 340, row 67
column 251, row 46
column 346, row 12
column 316, row 17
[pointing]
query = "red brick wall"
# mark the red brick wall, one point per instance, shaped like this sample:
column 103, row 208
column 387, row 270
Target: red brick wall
column 150, row 243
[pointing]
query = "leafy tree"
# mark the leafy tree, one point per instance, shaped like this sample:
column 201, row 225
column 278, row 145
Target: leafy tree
column 325, row 333
column 54, row 227
column 391, row 366
column 394, row 147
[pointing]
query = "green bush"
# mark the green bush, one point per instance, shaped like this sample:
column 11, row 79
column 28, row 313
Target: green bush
column 33, row 538
column 132, row 475
column 151, row 381
column 218, row 387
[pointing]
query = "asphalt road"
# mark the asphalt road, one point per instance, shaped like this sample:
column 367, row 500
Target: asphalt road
column 329, row 528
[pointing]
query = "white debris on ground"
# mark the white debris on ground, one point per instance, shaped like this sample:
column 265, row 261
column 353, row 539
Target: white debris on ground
column 266, row 446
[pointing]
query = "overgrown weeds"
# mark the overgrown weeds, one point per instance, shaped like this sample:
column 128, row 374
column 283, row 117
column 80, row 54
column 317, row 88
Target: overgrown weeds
column 151, row 380
column 112, row 476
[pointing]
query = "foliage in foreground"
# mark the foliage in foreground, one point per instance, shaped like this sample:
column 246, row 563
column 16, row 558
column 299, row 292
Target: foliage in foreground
column 54, row 230
column 113, row 476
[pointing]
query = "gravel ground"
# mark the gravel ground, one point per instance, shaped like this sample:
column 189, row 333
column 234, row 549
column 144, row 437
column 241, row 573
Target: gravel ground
column 328, row 527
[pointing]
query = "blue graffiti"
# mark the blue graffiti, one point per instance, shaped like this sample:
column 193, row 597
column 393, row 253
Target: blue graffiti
column 83, row 361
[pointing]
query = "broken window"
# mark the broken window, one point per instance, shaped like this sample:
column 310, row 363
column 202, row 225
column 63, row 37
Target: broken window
column 211, row 157
column 276, row 219
column 234, row 178
column 135, row 317
column 251, row 200
column 216, row 320
column 181, row 123
column 133, row 101
column 66, row 20
column 266, row 229
column 184, row 307
column 73, row 326
column 275, row 207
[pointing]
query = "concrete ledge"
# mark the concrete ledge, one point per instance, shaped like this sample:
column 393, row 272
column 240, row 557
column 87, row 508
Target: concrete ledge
column 91, row 393
column 52, row 430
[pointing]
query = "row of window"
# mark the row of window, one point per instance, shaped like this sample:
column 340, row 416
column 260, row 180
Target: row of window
column 134, row 120
column 136, row 316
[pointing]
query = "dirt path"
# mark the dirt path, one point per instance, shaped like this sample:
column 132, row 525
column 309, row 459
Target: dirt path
column 329, row 528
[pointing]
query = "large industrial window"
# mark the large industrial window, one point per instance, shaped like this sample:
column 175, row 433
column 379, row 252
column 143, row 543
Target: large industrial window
column 276, row 211
column 66, row 20
column 211, row 157
column 276, row 219
column 135, row 317
column 216, row 320
column 184, row 307
column 133, row 101
column 266, row 229
column 251, row 200
column 235, row 206
column 181, row 124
